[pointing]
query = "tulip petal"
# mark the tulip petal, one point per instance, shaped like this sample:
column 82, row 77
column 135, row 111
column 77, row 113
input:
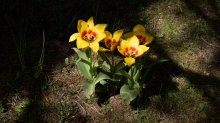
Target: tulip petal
column 94, row 47
column 120, row 50
column 117, row 35
column 133, row 41
column 84, row 26
column 108, row 37
column 90, row 22
column 149, row 38
column 113, row 46
column 73, row 37
column 128, row 35
column 100, row 36
column 129, row 61
column 139, row 28
column 100, row 28
column 81, row 43
column 79, row 25
column 124, row 44
column 103, row 49
column 141, row 49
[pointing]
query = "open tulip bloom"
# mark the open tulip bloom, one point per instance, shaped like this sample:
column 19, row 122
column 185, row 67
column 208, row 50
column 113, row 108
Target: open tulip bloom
column 131, row 49
column 111, row 42
column 139, row 31
column 88, row 34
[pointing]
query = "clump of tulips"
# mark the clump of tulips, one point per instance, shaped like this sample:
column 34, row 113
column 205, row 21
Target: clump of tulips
column 134, row 45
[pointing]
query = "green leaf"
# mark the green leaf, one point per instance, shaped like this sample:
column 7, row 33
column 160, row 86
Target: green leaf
column 128, row 94
column 102, row 63
column 159, row 35
column 81, row 54
column 103, row 56
column 84, row 69
column 128, row 76
column 18, row 109
column 135, row 72
column 101, row 76
column 88, row 88
column 120, row 66
column 66, row 60
column 103, row 82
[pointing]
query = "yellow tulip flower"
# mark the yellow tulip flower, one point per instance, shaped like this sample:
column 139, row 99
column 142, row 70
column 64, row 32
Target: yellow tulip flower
column 139, row 31
column 111, row 42
column 88, row 34
column 131, row 49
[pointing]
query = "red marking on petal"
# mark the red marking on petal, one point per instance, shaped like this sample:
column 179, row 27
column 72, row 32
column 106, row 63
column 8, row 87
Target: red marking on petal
column 126, row 50
column 136, row 52
column 94, row 34
column 114, row 41
column 139, row 36
column 84, row 33
column 108, row 41
column 90, row 32
column 124, row 53
column 132, row 48
column 114, row 47
column 144, row 39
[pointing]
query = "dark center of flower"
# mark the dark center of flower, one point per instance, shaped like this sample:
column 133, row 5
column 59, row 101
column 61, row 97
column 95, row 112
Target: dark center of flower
column 130, row 52
column 142, row 39
column 89, row 36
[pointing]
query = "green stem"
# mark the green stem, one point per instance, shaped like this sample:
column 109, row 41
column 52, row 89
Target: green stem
column 112, row 71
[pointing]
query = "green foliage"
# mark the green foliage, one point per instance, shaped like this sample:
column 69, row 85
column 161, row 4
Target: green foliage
column 21, row 107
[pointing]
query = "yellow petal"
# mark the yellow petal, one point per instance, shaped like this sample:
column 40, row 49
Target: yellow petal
column 108, row 37
column 133, row 41
column 113, row 46
column 139, row 28
column 129, row 61
column 100, row 36
column 141, row 49
column 79, row 25
column 90, row 22
column 100, row 28
column 84, row 26
column 73, row 37
column 123, row 45
column 128, row 35
column 94, row 47
column 117, row 35
column 81, row 43
column 120, row 50
column 149, row 38
column 103, row 49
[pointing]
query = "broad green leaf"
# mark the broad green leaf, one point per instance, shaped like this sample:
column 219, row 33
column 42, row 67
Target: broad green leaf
column 128, row 94
column 103, row 82
column 102, row 63
column 81, row 54
column 101, row 76
column 84, row 69
column 131, row 82
column 120, row 66
column 103, row 56
column 88, row 88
